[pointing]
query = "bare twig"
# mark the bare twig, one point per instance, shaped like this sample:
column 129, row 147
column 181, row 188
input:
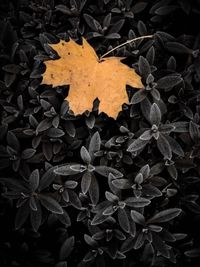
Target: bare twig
column 127, row 42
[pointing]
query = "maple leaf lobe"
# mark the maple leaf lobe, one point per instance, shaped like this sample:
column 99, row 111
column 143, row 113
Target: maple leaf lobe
column 90, row 78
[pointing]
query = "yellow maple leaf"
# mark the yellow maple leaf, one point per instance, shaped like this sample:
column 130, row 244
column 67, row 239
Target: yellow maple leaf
column 90, row 77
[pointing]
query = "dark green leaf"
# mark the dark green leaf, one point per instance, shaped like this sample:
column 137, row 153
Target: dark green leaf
column 165, row 215
column 85, row 182
column 95, row 144
column 137, row 145
column 137, row 202
column 164, row 147
column 34, row 180
column 137, row 217
column 85, row 155
column 94, row 190
column 50, row 204
column 123, row 220
column 155, row 114
column 105, row 171
column 66, row 248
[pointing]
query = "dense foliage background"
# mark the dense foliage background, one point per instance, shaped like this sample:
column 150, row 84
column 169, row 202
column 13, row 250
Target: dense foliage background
column 90, row 190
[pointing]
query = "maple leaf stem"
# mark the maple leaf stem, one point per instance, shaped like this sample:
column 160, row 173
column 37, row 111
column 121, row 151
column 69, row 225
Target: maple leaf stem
column 127, row 42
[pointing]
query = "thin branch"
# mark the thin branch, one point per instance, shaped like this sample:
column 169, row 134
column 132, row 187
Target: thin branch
column 127, row 42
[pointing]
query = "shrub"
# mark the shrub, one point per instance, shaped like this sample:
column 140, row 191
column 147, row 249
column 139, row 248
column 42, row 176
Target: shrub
column 89, row 190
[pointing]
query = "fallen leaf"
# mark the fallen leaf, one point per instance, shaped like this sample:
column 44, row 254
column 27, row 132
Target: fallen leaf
column 90, row 77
